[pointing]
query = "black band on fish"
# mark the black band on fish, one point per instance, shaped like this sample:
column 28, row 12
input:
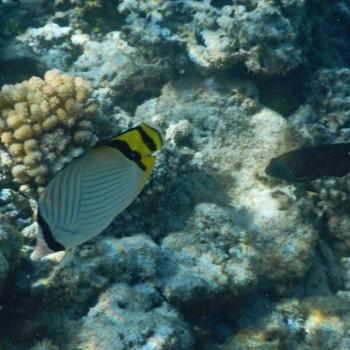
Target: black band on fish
column 146, row 139
column 48, row 237
column 123, row 147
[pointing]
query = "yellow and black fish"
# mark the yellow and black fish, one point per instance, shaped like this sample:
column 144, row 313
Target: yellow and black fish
column 311, row 163
column 86, row 195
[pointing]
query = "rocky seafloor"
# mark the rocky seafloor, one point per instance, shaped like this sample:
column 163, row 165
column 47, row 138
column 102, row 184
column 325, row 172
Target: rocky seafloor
column 214, row 254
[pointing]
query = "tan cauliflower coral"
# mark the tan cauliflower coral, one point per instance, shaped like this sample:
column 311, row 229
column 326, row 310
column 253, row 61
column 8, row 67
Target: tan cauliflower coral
column 44, row 123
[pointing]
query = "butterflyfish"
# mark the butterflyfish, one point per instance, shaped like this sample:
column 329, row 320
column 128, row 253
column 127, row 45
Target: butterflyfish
column 311, row 163
column 86, row 195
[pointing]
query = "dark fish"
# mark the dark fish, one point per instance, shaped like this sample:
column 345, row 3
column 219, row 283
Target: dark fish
column 311, row 163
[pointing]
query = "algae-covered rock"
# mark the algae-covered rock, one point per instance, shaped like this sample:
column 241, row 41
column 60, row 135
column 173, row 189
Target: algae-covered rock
column 44, row 345
column 4, row 269
column 10, row 244
column 214, row 36
column 132, row 317
column 10, row 240
column 324, row 118
column 15, row 207
column 126, row 73
column 231, row 140
column 314, row 323
column 212, row 257
column 82, row 276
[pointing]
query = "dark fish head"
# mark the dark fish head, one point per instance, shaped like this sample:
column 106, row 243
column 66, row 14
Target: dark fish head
column 277, row 168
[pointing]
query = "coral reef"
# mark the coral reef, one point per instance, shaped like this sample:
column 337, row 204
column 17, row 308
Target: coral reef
column 213, row 254
column 44, row 124
column 223, row 235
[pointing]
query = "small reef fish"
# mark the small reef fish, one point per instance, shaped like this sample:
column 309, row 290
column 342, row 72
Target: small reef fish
column 86, row 195
column 311, row 163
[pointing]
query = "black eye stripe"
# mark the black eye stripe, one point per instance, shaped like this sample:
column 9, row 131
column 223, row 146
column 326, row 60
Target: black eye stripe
column 146, row 139
column 160, row 136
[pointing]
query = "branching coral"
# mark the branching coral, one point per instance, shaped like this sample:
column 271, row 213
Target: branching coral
column 45, row 123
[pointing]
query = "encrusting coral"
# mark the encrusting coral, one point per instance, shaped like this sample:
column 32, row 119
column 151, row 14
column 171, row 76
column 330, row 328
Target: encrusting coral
column 44, row 123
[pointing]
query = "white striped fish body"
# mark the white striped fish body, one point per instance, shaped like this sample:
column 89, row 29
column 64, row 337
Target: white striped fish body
column 81, row 201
